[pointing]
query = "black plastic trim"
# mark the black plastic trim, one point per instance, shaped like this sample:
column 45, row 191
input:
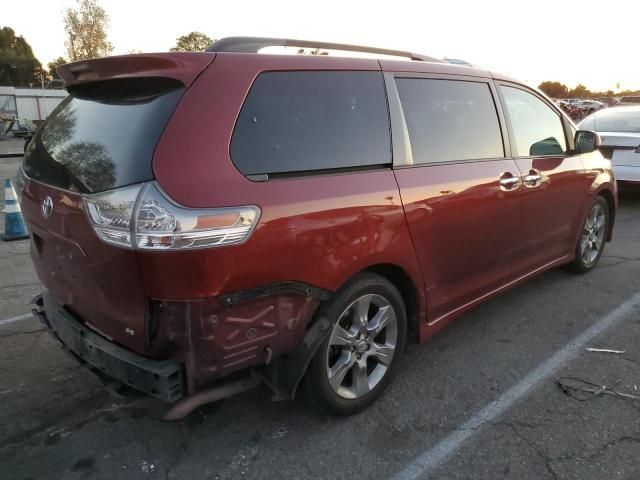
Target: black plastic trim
column 272, row 289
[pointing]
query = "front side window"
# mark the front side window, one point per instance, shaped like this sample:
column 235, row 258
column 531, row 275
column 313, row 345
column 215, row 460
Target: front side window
column 536, row 127
column 450, row 120
column 313, row 120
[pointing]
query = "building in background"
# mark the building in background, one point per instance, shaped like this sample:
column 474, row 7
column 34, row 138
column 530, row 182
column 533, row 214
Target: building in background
column 27, row 107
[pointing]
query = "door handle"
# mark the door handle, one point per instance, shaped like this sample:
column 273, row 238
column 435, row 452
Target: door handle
column 532, row 179
column 509, row 181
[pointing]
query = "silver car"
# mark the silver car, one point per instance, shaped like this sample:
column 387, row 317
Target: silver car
column 619, row 129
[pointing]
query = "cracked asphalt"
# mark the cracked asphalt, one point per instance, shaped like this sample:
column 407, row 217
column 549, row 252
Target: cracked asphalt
column 57, row 421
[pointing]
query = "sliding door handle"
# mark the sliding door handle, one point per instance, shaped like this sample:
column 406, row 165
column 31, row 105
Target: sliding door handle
column 509, row 181
column 532, row 179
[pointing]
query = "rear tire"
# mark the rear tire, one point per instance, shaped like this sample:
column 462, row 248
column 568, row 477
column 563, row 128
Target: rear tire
column 358, row 360
column 592, row 237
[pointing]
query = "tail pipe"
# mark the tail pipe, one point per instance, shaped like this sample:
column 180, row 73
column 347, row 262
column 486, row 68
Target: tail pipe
column 188, row 404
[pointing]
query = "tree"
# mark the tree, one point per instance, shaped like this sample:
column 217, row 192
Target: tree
column 554, row 89
column 316, row 51
column 91, row 164
column 192, row 42
column 86, row 29
column 18, row 65
column 580, row 92
column 53, row 65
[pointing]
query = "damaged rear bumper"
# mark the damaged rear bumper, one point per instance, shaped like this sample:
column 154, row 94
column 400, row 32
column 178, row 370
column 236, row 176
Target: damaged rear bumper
column 162, row 379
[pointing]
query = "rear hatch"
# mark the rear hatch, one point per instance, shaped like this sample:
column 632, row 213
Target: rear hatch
column 101, row 137
column 622, row 148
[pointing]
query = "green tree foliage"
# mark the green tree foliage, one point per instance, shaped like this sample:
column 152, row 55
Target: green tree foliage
column 580, row 91
column 86, row 29
column 53, row 65
column 18, row 65
column 91, row 163
column 192, row 42
column 554, row 89
column 314, row 51
column 559, row 90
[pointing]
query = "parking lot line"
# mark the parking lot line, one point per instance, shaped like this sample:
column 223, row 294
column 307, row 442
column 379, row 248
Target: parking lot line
column 429, row 460
column 24, row 316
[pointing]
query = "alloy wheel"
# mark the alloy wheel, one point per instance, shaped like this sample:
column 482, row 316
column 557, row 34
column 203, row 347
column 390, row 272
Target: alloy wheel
column 362, row 346
column 592, row 238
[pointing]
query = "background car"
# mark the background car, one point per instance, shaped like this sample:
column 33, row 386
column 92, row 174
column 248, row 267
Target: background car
column 630, row 100
column 619, row 129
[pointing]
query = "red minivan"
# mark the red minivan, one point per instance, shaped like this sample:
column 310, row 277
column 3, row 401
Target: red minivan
column 205, row 222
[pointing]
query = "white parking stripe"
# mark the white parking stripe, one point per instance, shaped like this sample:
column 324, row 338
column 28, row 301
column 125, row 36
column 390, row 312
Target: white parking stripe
column 428, row 461
column 16, row 319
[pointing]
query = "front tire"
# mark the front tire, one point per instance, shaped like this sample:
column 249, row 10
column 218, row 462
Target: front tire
column 357, row 361
column 592, row 237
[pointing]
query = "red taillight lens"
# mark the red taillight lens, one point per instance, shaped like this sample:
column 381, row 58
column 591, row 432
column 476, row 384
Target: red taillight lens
column 143, row 217
column 163, row 225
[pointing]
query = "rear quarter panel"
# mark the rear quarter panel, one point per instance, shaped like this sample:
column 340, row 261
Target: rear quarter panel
column 320, row 230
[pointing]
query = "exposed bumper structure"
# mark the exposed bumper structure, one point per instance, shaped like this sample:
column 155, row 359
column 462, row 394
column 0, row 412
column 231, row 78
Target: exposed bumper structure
column 162, row 379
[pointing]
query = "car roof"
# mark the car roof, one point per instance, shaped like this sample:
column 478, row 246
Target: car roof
column 619, row 108
column 252, row 46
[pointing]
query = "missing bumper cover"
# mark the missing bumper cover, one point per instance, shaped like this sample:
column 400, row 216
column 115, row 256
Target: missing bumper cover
column 159, row 378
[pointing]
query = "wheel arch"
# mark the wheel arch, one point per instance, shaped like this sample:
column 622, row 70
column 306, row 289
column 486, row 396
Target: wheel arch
column 407, row 288
column 610, row 198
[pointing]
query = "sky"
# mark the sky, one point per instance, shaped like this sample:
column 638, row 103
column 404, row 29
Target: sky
column 593, row 42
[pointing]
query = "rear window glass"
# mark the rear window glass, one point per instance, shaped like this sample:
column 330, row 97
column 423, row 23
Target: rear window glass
column 450, row 120
column 103, row 135
column 614, row 120
column 305, row 121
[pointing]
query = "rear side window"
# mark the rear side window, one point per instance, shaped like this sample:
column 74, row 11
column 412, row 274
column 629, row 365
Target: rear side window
column 306, row 121
column 103, row 135
column 450, row 120
column 536, row 127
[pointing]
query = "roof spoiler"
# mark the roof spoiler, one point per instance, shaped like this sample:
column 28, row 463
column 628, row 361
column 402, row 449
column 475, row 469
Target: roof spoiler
column 183, row 67
column 254, row 44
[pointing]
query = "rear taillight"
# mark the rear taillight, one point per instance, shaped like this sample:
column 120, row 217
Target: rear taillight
column 111, row 214
column 143, row 217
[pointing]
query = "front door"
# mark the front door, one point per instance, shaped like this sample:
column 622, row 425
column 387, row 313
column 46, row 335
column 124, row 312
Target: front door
column 554, row 182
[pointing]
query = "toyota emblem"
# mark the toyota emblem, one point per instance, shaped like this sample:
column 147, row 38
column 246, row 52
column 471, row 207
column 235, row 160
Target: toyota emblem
column 47, row 207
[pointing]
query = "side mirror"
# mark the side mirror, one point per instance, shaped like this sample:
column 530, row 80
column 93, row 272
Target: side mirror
column 586, row 141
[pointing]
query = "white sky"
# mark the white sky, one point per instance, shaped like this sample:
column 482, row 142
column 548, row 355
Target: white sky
column 589, row 41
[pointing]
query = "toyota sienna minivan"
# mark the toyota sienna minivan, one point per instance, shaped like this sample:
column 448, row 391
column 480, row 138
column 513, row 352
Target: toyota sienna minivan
column 205, row 222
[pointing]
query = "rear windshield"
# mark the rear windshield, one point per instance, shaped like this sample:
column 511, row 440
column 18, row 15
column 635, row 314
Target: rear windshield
column 614, row 120
column 306, row 121
column 103, row 135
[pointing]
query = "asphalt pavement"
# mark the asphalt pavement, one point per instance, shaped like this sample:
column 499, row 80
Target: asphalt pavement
column 480, row 400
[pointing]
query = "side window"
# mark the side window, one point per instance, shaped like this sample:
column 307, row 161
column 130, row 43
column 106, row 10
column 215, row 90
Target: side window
column 536, row 127
column 450, row 120
column 305, row 121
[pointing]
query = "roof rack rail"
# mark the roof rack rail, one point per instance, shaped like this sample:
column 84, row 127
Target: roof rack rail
column 254, row 44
